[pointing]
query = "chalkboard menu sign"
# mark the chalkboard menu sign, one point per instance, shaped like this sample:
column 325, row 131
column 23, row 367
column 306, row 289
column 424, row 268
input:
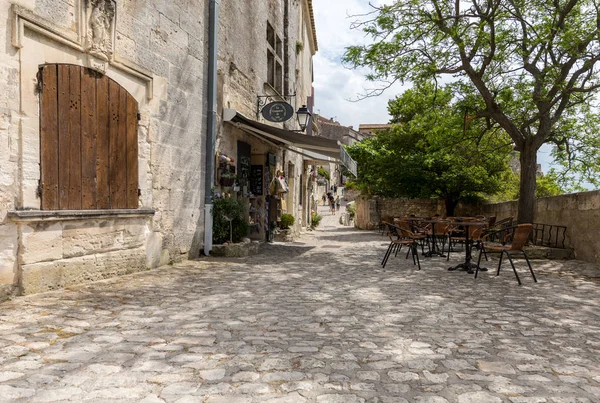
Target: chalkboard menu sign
column 256, row 180
column 243, row 160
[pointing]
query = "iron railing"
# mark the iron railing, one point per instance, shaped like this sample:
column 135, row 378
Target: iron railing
column 553, row 236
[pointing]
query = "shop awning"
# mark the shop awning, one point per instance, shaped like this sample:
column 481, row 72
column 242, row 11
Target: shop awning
column 311, row 147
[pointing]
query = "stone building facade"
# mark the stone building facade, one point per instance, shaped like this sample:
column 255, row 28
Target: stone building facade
column 265, row 55
column 103, row 128
column 72, row 74
column 346, row 135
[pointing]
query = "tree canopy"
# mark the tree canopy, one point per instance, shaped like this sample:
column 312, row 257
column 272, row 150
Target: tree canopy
column 433, row 151
column 532, row 63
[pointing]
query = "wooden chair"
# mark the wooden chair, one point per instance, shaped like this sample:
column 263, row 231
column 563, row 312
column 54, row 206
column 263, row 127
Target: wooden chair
column 398, row 238
column 520, row 235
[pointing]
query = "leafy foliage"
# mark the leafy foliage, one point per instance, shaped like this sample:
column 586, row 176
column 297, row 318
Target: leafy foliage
column 534, row 66
column 287, row 220
column 323, row 173
column 546, row 185
column 351, row 210
column 431, row 151
column 315, row 219
column 235, row 210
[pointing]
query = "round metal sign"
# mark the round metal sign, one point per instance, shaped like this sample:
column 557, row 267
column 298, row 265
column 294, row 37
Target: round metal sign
column 277, row 111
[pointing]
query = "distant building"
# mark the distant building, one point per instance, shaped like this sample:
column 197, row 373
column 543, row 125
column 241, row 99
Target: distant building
column 372, row 129
column 333, row 130
column 515, row 165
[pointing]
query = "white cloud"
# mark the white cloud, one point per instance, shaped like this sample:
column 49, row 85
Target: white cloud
column 334, row 84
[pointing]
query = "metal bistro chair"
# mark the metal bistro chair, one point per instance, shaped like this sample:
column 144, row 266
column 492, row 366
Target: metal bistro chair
column 383, row 223
column 399, row 237
column 475, row 235
column 519, row 235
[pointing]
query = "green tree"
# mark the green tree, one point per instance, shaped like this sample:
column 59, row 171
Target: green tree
column 533, row 64
column 433, row 151
column 546, row 185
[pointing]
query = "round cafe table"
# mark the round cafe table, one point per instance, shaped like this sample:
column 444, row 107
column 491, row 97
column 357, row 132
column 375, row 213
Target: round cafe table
column 467, row 265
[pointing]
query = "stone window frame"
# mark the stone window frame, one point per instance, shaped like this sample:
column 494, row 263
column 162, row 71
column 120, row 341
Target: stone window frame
column 43, row 47
column 274, row 59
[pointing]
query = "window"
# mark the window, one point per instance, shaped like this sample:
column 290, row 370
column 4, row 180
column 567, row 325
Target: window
column 88, row 141
column 274, row 61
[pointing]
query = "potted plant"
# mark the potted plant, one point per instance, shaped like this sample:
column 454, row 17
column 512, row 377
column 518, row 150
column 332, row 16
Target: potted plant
column 285, row 233
column 228, row 220
column 287, row 220
column 227, row 179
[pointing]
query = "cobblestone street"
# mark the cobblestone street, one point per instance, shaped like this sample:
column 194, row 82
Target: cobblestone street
column 317, row 320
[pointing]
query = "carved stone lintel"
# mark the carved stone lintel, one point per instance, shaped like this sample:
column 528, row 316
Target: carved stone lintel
column 97, row 65
column 100, row 28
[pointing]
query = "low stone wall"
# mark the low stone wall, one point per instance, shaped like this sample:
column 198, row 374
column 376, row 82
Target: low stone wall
column 579, row 212
column 370, row 211
column 242, row 249
column 59, row 253
column 351, row 194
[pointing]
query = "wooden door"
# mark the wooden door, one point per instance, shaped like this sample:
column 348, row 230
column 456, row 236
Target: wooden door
column 89, row 148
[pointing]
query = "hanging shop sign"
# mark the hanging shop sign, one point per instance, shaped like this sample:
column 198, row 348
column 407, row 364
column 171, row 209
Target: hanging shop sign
column 277, row 111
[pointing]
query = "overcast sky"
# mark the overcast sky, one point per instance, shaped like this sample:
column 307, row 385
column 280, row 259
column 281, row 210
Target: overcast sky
column 336, row 85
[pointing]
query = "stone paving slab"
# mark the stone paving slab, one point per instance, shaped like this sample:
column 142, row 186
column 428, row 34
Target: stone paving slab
column 317, row 320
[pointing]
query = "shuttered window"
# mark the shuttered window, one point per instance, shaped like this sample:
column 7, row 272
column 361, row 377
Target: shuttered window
column 89, row 149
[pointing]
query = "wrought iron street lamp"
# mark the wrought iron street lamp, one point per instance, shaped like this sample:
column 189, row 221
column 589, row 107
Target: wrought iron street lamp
column 303, row 115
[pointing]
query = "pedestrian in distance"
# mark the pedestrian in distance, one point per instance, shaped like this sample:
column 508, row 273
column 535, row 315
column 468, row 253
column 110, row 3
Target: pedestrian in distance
column 332, row 204
column 337, row 202
column 324, row 198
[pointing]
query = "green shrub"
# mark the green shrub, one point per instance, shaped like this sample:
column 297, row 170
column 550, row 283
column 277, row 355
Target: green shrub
column 323, row 173
column 315, row 220
column 231, row 208
column 351, row 210
column 287, row 220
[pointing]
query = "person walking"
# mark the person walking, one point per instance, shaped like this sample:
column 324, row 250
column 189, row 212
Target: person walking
column 324, row 198
column 332, row 204
column 337, row 202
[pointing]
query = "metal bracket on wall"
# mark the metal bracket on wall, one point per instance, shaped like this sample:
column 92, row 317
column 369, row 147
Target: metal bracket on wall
column 262, row 100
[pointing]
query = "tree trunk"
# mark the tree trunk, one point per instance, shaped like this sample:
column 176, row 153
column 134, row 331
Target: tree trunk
column 451, row 204
column 528, row 159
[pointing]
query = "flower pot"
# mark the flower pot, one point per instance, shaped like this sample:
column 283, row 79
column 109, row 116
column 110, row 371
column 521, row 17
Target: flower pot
column 227, row 181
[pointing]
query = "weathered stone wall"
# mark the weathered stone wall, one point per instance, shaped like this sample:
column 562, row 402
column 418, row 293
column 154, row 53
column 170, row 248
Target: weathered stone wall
column 242, row 75
column 60, row 253
column 370, row 211
column 160, row 58
column 579, row 212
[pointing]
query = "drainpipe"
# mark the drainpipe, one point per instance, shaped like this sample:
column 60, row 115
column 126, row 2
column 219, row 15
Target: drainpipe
column 211, row 124
column 286, row 54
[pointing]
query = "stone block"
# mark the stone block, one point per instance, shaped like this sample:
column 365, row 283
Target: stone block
column 90, row 237
column 155, row 255
column 46, row 276
column 236, row 249
column 41, row 242
column 8, row 253
column 99, row 236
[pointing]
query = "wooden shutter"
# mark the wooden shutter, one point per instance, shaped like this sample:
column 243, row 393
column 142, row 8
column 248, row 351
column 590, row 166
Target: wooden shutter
column 88, row 135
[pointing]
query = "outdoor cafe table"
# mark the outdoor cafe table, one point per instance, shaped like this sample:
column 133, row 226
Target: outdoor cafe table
column 467, row 265
column 435, row 249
